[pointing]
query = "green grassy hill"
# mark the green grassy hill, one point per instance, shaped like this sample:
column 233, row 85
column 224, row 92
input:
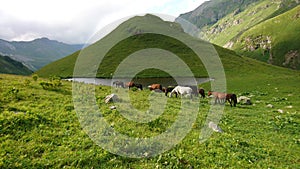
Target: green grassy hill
column 135, row 42
column 64, row 67
column 10, row 66
column 275, row 41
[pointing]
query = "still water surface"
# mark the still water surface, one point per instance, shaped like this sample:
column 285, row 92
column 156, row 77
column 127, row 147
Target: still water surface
column 145, row 81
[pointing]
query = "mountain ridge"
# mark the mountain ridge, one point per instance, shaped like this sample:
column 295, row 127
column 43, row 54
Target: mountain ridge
column 227, row 29
column 38, row 52
column 10, row 66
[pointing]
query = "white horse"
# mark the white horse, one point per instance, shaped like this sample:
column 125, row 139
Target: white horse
column 182, row 91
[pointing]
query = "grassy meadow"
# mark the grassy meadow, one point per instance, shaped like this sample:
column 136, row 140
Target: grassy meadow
column 40, row 128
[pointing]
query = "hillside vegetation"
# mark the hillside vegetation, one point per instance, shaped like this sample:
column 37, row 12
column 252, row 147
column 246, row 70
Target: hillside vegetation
column 275, row 40
column 113, row 57
column 10, row 66
column 226, row 30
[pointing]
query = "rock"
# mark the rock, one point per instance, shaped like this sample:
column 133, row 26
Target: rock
column 111, row 98
column 215, row 127
column 280, row 111
column 270, row 106
column 112, row 107
column 244, row 100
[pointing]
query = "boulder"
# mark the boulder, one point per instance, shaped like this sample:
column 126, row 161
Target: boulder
column 111, row 98
column 244, row 100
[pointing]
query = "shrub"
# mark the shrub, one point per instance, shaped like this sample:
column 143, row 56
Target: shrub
column 13, row 92
column 54, row 84
column 35, row 77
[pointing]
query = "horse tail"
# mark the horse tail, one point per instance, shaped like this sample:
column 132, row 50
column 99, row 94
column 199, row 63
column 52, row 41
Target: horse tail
column 234, row 98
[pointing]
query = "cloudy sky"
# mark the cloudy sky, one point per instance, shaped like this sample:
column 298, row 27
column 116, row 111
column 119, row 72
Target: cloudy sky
column 75, row 21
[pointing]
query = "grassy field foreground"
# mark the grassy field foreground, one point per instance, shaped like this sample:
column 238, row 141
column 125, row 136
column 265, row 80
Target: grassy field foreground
column 39, row 127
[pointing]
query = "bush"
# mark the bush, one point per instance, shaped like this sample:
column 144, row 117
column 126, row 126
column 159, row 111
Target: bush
column 35, row 77
column 54, row 84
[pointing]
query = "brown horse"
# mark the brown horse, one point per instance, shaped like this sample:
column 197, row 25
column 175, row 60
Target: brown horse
column 131, row 84
column 155, row 86
column 221, row 98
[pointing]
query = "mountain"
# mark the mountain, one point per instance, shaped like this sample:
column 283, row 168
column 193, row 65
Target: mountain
column 10, row 66
column 136, row 40
column 233, row 64
column 37, row 53
column 210, row 12
column 230, row 19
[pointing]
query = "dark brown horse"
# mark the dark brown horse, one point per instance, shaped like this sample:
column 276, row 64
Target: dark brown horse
column 155, row 86
column 201, row 92
column 168, row 89
column 131, row 84
column 221, row 98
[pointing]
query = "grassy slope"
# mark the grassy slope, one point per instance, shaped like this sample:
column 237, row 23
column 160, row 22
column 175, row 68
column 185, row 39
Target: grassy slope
column 10, row 66
column 210, row 12
column 252, row 15
column 64, row 67
column 39, row 128
column 284, row 33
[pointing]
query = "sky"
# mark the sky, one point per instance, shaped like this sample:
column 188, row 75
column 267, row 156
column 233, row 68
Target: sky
column 76, row 21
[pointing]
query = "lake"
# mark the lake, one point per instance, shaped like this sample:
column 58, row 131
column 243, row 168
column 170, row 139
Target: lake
column 144, row 81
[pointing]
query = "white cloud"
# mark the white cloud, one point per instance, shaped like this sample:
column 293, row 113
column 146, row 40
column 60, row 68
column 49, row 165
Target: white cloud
column 74, row 21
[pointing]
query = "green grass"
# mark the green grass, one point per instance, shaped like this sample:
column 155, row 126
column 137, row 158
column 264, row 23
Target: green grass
column 40, row 129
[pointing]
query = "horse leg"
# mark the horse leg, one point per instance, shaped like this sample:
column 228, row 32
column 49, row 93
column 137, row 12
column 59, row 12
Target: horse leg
column 216, row 100
column 229, row 100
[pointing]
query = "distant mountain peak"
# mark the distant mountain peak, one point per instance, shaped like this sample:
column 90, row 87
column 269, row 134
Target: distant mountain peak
column 38, row 52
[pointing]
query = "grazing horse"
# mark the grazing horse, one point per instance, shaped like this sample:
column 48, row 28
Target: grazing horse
column 168, row 89
column 155, row 86
column 231, row 98
column 201, row 92
column 132, row 84
column 182, row 91
column 221, row 98
column 118, row 84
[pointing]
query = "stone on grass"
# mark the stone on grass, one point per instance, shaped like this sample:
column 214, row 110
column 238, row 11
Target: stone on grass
column 215, row 127
column 280, row 111
column 244, row 100
column 111, row 98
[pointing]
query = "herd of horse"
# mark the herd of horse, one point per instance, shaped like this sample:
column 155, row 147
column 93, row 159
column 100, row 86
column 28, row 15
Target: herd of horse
column 220, row 97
